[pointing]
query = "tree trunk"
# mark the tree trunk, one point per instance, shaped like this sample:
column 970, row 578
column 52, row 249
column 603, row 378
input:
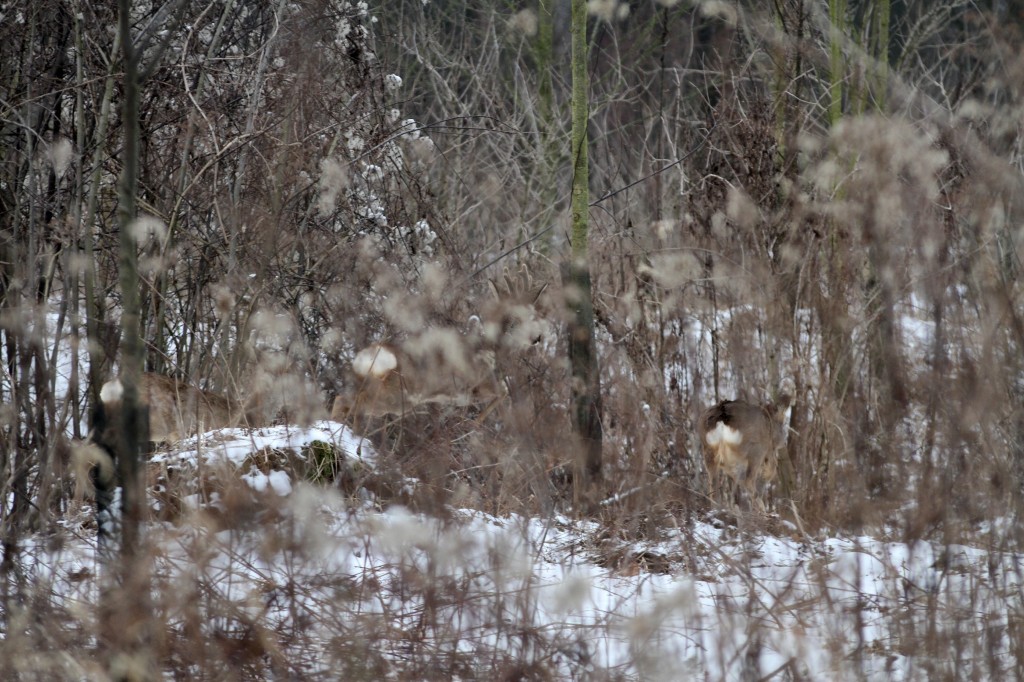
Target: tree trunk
column 586, row 386
column 124, row 613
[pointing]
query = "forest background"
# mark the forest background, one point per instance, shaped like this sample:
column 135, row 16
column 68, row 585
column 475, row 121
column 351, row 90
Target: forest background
column 782, row 197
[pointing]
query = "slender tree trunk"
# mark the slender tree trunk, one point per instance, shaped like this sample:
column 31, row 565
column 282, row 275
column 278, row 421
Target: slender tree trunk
column 124, row 614
column 544, row 51
column 837, row 74
column 549, row 155
column 881, row 53
column 128, row 266
column 586, row 387
column 883, row 336
column 98, row 362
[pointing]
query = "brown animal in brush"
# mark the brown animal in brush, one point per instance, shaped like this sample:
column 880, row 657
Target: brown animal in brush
column 741, row 443
column 176, row 409
column 387, row 380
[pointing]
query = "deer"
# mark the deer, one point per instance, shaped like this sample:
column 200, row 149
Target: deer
column 176, row 409
column 741, row 443
column 389, row 380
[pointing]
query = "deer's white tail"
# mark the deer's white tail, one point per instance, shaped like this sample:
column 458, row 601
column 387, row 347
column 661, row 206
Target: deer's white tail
column 392, row 380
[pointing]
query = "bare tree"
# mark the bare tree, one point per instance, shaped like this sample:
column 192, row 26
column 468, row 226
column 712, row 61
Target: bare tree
column 586, row 377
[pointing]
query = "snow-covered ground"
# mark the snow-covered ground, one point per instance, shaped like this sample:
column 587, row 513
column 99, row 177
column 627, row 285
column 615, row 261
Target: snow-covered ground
column 705, row 600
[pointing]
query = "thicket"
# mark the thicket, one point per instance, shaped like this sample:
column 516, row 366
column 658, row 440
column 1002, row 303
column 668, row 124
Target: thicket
column 819, row 200
column 810, row 199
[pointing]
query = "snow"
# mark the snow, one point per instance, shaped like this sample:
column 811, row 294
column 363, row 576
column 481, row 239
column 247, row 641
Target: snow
column 826, row 608
column 235, row 445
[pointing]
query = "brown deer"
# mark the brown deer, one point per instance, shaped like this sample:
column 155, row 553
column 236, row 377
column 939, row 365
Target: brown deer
column 389, row 380
column 741, row 443
column 176, row 410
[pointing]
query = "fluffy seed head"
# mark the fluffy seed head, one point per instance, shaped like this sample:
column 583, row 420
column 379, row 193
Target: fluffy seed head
column 374, row 361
